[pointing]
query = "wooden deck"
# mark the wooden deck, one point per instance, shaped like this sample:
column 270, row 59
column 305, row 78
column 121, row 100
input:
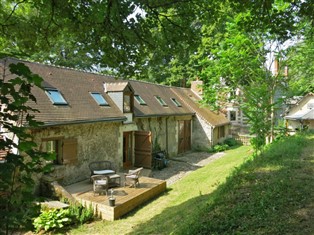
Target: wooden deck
column 126, row 198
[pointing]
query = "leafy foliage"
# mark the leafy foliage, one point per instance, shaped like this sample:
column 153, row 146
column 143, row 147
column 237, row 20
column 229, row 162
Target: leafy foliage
column 231, row 142
column 22, row 159
column 52, row 219
column 300, row 59
column 56, row 219
column 139, row 39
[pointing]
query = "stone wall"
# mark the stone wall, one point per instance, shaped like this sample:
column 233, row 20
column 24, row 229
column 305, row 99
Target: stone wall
column 201, row 134
column 97, row 141
column 164, row 132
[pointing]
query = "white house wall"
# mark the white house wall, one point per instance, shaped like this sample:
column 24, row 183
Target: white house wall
column 201, row 134
column 117, row 97
column 305, row 105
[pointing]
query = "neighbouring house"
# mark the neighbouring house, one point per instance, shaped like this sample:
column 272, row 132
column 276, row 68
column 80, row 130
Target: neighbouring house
column 88, row 117
column 300, row 115
column 238, row 121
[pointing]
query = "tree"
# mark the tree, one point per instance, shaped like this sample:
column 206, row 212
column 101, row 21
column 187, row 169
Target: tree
column 113, row 35
column 136, row 38
column 300, row 61
column 238, row 60
column 22, row 159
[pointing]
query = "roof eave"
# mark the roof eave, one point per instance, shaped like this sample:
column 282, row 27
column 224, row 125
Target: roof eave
column 73, row 122
column 163, row 115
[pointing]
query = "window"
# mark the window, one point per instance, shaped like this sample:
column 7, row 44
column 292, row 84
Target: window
column 55, row 96
column 53, row 146
column 221, row 131
column 127, row 108
column 139, row 99
column 99, row 99
column 65, row 150
column 161, row 101
column 232, row 115
column 177, row 103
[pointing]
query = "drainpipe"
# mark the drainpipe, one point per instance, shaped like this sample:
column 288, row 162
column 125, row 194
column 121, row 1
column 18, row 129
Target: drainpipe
column 167, row 135
column 212, row 136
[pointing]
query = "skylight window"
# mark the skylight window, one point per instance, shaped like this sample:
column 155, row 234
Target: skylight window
column 139, row 99
column 99, row 99
column 161, row 101
column 177, row 103
column 55, row 96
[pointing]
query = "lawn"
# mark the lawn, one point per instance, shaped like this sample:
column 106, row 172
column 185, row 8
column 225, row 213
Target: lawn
column 236, row 194
column 181, row 202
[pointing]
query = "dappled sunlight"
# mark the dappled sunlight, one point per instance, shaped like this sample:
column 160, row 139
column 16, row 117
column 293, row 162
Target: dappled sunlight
column 268, row 169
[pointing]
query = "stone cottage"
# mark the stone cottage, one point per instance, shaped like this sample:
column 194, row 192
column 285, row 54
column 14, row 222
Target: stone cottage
column 88, row 117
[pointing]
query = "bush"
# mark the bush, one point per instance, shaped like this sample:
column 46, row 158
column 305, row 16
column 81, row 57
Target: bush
column 231, row 142
column 80, row 214
column 218, row 148
column 54, row 219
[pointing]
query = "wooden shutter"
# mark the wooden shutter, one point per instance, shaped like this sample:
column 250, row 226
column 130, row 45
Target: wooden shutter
column 184, row 136
column 69, row 151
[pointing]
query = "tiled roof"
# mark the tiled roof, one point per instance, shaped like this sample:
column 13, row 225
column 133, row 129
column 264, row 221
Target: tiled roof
column 193, row 102
column 75, row 86
column 148, row 91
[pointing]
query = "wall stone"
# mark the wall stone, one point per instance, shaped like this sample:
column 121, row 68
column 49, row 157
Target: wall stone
column 96, row 141
column 201, row 134
column 164, row 132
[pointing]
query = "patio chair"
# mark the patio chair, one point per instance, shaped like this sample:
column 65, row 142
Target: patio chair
column 100, row 184
column 133, row 177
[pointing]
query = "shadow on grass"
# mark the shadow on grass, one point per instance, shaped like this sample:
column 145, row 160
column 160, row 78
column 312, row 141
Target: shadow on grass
column 271, row 194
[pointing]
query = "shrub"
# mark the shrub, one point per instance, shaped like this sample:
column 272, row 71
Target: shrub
column 231, row 142
column 80, row 214
column 54, row 219
column 218, row 148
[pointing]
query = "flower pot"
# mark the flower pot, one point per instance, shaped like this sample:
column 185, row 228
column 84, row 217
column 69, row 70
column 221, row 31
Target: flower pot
column 112, row 201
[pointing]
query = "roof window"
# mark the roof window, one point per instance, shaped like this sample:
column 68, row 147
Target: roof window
column 160, row 100
column 139, row 99
column 177, row 103
column 55, row 96
column 99, row 99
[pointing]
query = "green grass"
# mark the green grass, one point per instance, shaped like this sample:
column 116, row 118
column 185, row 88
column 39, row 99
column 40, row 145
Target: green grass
column 180, row 203
column 236, row 194
column 271, row 194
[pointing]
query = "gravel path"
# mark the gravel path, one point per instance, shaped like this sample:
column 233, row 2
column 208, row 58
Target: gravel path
column 183, row 164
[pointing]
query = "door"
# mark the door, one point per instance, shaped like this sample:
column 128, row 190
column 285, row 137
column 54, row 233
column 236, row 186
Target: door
column 184, row 136
column 143, row 149
column 127, row 150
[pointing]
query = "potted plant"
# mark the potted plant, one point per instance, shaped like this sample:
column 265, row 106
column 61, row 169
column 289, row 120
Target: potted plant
column 112, row 199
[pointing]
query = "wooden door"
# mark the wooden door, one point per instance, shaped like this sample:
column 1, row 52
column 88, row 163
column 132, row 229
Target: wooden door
column 127, row 150
column 184, row 136
column 143, row 149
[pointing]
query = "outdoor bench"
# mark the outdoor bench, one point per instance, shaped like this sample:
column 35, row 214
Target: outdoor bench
column 105, row 168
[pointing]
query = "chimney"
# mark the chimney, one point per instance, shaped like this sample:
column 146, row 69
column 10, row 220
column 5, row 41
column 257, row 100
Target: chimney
column 286, row 72
column 105, row 87
column 276, row 67
column 197, row 87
